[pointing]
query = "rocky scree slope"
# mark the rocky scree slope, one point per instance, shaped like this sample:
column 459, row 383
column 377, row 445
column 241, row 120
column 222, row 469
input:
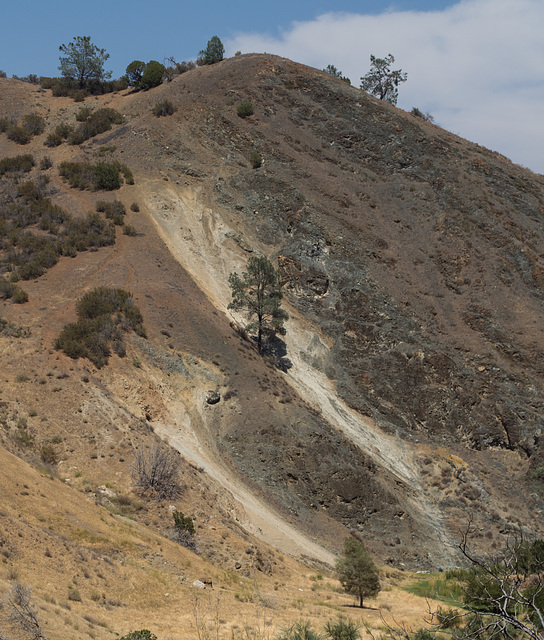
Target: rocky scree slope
column 413, row 254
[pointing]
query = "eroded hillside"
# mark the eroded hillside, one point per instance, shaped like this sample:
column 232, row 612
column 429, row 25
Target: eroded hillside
column 409, row 397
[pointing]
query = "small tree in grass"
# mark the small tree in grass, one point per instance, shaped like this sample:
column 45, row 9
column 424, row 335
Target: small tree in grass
column 357, row 572
column 258, row 291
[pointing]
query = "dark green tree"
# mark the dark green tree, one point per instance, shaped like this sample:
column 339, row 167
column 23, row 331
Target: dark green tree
column 381, row 81
column 83, row 62
column 214, row 52
column 152, row 76
column 258, row 291
column 135, row 70
column 357, row 572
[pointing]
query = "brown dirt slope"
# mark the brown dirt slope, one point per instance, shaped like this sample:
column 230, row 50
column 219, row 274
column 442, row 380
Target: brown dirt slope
column 411, row 388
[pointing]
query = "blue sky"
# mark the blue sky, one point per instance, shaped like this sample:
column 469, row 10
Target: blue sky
column 476, row 65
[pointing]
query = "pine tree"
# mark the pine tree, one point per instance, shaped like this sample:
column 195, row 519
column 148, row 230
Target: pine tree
column 258, row 291
column 357, row 572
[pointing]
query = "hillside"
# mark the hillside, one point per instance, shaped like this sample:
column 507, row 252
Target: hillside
column 409, row 395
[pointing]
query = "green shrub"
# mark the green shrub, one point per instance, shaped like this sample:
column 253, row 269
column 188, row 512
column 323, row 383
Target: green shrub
column 152, row 76
column 135, row 207
column 142, row 634
column 111, row 209
column 164, row 108
column 7, row 289
column 83, row 114
column 74, row 595
column 34, row 124
column 127, row 173
column 48, row 454
column 342, row 629
column 183, row 522
column 63, row 130
column 245, row 109
column 298, row 631
column 18, row 134
column 100, row 176
column 106, row 176
column 4, row 124
column 79, row 175
column 20, row 296
column 256, row 160
column 53, row 140
column 22, row 163
column 129, row 230
column 103, row 315
column 93, row 123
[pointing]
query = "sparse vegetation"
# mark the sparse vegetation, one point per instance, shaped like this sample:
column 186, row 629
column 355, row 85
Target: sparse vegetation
column 103, row 316
column 20, row 614
column 93, row 123
column 29, row 252
column 104, row 176
column 142, row 634
column 335, row 73
column 114, row 211
column 419, row 114
column 164, row 108
column 21, row 164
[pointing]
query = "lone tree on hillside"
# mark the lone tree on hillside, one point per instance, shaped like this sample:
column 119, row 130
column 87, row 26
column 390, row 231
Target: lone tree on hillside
column 381, row 81
column 214, row 52
column 83, row 61
column 357, row 572
column 258, row 292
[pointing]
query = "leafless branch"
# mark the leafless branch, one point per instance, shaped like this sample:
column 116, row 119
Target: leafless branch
column 155, row 469
column 20, row 615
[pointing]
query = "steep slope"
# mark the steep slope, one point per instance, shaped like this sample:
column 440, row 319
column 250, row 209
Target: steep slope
column 410, row 392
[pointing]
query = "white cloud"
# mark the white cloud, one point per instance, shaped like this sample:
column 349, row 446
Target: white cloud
column 477, row 66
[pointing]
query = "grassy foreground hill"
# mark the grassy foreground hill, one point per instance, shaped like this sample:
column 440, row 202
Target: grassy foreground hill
column 409, row 396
